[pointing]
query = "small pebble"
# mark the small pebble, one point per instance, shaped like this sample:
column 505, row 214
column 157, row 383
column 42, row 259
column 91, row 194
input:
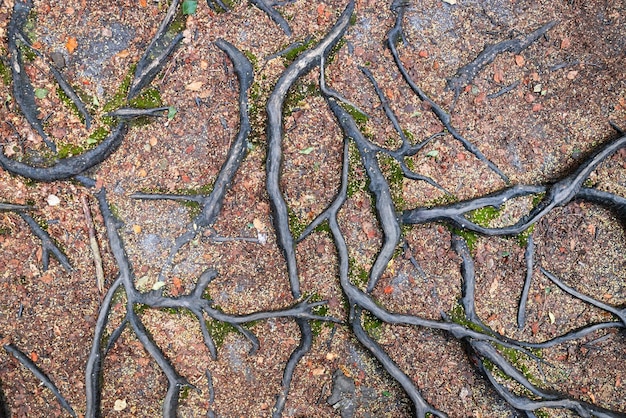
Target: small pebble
column 53, row 200
column 58, row 59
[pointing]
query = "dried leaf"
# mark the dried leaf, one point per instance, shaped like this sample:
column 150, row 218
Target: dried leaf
column 552, row 318
column 307, row 150
column 449, row 1
column 195, row 86
column 120, row 405
column 158, row 285
column 498, row 75
column 519, row 60
column 71, row 44
column 143, row 3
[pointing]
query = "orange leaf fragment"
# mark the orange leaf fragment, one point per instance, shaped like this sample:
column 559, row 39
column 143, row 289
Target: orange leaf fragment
column 143, row 3
column 320, row 9
column 498, row 75
column 71, row 44
column 388, row 290
column 423, row 53
column 34, row 356
column 37, row 45
column 47, row 278
column 519, row 60
column 177, row 282
column 535, row 327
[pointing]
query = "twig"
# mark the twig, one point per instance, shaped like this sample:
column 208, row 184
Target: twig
column 93, row 243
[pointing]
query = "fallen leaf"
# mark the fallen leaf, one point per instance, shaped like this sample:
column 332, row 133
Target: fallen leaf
column 136, row 229
column 158, row 285
column 71, row 44
column 565, row 43
column 572, row 74
column 34, row 356
column 423, row 53
column 494, row 286
column 143, row 3
column 552, row 318
column 46, row 278
column 194, row 86
column 519, row 60
column 258, row 225
column 319, row 371
column 120, row 405
column 535, row 327
column 177, row 282
column 498, row 75
column 450, row 1
column 306, row 151
column 388, row 290
column 537, row 107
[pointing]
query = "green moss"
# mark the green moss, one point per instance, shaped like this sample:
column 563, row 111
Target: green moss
column 522, row 239
column 296, row 95
column 119, row 98
column 357, row 274
column 335, row 49
column 372, row 325
column 5, row 72
column 252, row 58
column 356, row 181
column 470, row 237
column 359, row 118
column 410, row 164
column 184, row 393
column 540, row 413
column 323, row 227
column 537, row 199
column 322, row 310
column 291, row 55
column 139, row 308
column 296, row 226
column 484, row 216
column 446, row 199
column 516, row 358
column 147, row 99
column 69, row 103
column 393, row 172
column 69, row 150
column 353, row 19
column 98, row 135
column 457, row 315
column 219, row 330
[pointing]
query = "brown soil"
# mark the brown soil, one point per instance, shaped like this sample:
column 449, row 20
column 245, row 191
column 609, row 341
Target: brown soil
column 571, row 84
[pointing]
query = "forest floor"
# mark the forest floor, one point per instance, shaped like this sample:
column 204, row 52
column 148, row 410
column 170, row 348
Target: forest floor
column 571, row 83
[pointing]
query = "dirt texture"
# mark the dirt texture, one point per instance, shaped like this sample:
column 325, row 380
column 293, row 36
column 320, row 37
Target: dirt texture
column 537, row 114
